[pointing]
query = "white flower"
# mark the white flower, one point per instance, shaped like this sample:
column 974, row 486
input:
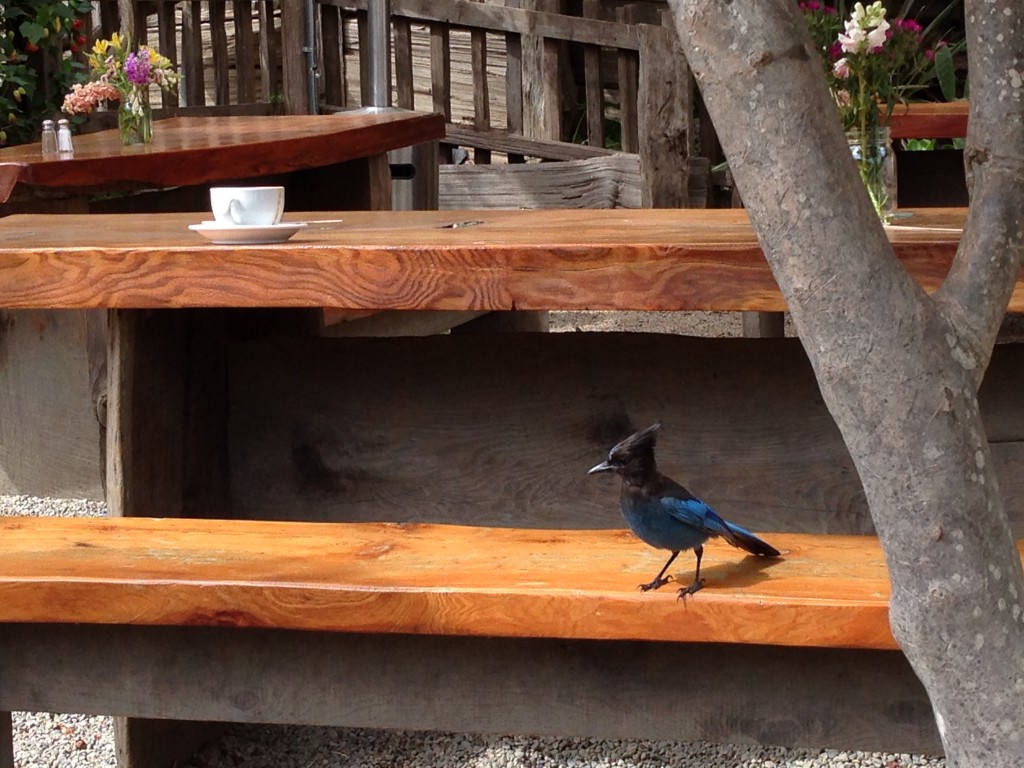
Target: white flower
column 876, row 37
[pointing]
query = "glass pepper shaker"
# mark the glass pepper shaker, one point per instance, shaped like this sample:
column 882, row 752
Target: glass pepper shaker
column 64, row 145
column 49, row 139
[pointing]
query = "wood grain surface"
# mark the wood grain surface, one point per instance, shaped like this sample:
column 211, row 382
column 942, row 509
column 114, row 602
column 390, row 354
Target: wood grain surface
column 195, row 150
column 500, row 429
column 828, row 591
column 451, row 260
column 940, row 120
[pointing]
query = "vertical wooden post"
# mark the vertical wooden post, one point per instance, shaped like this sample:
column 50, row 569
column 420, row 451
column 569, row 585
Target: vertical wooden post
column 664, row 118
column 629, row 78
column 192, row 54
column 219, row 42
column 541, row 84
column 593, row 82
column 481, row 92
column 245, row 65
column 293, row 60
column 168, row 45
column 333, row 56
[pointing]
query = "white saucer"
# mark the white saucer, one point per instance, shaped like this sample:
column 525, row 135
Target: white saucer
column 243, row 234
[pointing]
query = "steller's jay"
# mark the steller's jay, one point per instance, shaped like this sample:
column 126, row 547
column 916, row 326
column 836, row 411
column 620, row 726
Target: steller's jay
column 666, row 515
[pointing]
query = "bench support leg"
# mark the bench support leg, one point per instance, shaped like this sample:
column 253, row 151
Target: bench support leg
column 6, row 741
column 142, row 743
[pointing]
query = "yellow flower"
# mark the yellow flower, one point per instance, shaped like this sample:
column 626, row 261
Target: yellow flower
column 100, row 49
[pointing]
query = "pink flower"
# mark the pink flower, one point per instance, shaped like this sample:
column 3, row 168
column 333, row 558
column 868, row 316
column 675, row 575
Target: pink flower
column 841, row 69
column 82, row 99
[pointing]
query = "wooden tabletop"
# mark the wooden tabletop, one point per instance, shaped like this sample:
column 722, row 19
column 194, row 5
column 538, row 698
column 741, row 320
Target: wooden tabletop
column 939, row 120
column 197, row 150
column 826, row 591
column 451, row 260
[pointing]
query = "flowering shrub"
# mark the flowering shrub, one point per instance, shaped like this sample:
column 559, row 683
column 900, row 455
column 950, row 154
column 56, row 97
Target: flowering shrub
column 38, row 40
column 871, row 63
column 121, row 75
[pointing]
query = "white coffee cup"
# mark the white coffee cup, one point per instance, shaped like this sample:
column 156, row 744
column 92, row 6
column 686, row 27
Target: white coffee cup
column 247, row 205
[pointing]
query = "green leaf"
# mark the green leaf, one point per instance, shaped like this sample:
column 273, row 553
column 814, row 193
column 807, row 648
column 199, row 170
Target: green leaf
column 31, row 31
column 945, row 71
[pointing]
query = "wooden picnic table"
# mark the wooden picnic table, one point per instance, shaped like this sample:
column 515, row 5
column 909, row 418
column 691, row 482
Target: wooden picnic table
column 224, row 401
column 329, row 159
column 451, row 260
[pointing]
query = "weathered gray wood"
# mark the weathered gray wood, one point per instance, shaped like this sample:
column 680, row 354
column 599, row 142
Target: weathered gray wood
column 219, row 44
column 764, row 325
column 440, row 70
column 6, row 744
column 269, row 47
column 664, row 118
column 478, row 429
column 838, row 698
column 168, row 40
column 404, row 85
column 293, row 61
column 481, row 91
column 600, row 182
column 499, row 141
column 49, row 438
column 629, row 74
column 245, row 52
column 192, row 69
column 519, row 18
column 593, row 82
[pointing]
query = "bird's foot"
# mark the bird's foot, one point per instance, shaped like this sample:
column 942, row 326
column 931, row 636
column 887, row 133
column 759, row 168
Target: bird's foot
column 697, row 586
column 657, row 583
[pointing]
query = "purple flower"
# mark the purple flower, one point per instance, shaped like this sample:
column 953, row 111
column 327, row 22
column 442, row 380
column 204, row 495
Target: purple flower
column 136, row 67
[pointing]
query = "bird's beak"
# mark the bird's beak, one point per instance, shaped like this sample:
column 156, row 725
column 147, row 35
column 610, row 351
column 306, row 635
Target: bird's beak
column 604, row 466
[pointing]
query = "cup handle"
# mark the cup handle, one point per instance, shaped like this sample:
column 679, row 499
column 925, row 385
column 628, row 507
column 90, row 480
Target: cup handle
column 235, row 211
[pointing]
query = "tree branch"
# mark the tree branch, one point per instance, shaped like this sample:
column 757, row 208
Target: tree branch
column 976, row 292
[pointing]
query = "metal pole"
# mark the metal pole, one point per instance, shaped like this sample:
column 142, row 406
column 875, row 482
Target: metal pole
column 379, row 33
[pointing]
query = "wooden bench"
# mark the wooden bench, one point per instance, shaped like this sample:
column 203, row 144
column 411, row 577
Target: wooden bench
column 501, row 596
column 451, row 627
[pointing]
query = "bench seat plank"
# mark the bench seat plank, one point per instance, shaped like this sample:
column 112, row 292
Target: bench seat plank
column 827, row 591
column 500, row 260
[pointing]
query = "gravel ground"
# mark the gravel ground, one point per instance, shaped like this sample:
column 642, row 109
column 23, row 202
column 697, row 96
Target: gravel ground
column 76, row 741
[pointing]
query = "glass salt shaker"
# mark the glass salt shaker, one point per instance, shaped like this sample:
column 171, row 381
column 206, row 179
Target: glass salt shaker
column 64, row 145
column 49, row 139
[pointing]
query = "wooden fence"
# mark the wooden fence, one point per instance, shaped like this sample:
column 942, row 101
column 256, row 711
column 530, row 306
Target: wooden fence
column 514, row 84
column 537, row 85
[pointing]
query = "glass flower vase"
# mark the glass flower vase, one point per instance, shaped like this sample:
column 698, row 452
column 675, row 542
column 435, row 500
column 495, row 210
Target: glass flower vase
column 872, row 152
column 135, row 119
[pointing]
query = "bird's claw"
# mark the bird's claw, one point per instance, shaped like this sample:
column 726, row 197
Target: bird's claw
column 656, row 584
column 697, row 586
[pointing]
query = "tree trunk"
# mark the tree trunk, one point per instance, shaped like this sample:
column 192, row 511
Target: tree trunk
column 898, row 370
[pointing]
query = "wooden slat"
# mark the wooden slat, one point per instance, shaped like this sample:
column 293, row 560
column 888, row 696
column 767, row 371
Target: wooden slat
column 441, row 70
column 404, row 84
column 614, row 259
column 496, row 18
column 168, row 42
column 219, row 41
column 629, row 75
column 245, row 52
column 600, row 182
column 500, row 141
column 193, row 72
column 826, row 591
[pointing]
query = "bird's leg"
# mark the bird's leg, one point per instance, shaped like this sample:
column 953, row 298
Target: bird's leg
column 698, row 582
column 658, row 580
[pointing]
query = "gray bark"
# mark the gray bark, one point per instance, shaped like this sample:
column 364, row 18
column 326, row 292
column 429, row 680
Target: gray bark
column 898, row 370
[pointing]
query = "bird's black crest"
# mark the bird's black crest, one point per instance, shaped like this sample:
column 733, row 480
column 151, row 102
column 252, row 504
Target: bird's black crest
column 637, row 443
